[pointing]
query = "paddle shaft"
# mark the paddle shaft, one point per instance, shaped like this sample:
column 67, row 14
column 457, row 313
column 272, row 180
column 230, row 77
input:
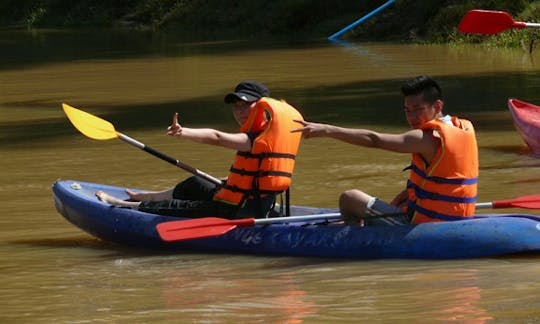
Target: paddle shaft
column 521, row 25
column 189, row 229
column 293, row 219
column 100, row 129
column 331, row 216
column 326, row 216
column 361, row 20
column 169, row 159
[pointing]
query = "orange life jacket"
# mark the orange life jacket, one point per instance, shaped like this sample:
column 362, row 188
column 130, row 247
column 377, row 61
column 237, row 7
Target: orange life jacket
column 446, row 188
column 268, row 167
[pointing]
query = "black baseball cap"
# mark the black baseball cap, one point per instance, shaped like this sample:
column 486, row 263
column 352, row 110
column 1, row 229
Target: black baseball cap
column 247, row 91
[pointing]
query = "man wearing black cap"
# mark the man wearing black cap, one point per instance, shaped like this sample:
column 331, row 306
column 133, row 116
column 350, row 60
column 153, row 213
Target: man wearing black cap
column 248, row 91
column 262, row 168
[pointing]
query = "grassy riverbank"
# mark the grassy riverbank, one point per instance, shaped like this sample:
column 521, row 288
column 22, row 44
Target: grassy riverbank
column 403, row 21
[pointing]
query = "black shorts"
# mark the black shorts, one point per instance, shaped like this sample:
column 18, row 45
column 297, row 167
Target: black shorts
column 195, row 188
column 189, row 208
column 194, row 198
column 380, row 207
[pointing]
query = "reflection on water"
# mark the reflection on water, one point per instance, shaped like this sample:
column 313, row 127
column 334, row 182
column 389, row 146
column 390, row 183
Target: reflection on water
column 52, row 272
column 250, row 298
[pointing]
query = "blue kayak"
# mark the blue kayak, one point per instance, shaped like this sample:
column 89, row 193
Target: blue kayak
column 485, row 235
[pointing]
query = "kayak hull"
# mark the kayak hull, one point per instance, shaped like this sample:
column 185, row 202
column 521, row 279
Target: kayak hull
column 526, row 118
column 484, row 236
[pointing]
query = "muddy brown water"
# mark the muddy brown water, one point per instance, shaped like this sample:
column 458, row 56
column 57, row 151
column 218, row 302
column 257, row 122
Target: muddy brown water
column 53, row 272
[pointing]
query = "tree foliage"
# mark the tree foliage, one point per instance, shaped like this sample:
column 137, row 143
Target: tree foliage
column 406, row 20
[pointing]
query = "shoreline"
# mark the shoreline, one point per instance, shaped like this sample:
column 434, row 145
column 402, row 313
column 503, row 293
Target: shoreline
column 403, row 21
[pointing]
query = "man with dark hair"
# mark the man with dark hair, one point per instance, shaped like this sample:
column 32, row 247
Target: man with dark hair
column 262, row 168
column 442, row 185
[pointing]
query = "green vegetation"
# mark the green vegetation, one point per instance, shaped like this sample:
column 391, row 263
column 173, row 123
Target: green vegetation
column 405, row 21
column 525, row 39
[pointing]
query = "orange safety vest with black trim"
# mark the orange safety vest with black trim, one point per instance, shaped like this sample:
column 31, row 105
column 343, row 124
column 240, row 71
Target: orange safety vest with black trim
column 446, row 188
column 268, row 167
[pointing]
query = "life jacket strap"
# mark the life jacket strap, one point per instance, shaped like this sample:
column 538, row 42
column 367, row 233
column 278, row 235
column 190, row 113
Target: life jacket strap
column 425, row 194
column 432, row 214
column 267, row 155
column 259, row 174
column 252, row 192
column 423, row 175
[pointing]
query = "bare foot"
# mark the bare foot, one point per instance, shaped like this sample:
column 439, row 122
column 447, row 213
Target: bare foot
column 106, row 198
column 137, row 196
column 150, row 195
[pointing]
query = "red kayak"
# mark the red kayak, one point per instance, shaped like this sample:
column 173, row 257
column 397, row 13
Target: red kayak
column 527, row 120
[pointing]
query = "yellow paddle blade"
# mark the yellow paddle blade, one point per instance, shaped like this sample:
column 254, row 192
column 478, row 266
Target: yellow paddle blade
column 90, row 125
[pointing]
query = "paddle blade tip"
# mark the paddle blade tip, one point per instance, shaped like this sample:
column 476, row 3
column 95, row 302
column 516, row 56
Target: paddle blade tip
column 89, row 125
column 526, row 202
column 485, row 22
